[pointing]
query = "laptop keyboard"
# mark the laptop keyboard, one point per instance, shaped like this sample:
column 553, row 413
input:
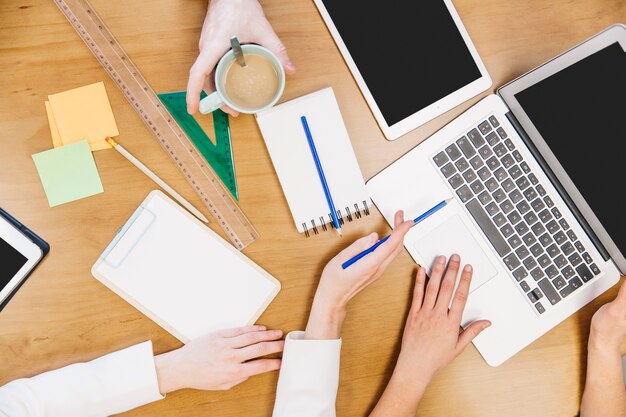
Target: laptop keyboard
column 517, row 215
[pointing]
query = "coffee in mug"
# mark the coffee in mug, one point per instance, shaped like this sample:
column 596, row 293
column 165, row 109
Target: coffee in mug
column 250, row 89
column 252, row 86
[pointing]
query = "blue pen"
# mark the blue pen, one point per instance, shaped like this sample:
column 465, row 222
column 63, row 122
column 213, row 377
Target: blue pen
column 380, row 242
column 320, row 171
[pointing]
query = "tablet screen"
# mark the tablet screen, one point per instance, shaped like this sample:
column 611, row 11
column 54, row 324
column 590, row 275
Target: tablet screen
column 579, row 112
column 11, row 261
column 410, row 54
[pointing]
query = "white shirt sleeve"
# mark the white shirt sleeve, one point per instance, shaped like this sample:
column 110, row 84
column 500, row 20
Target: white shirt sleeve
column 109, row 385
column 309, row 377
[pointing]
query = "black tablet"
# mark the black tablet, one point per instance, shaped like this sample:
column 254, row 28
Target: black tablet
column 412, row 60
column 20, row 252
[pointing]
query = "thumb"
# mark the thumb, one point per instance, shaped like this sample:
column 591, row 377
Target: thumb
column 470, row 334
column 270, row 40
column 398, row 218
column 357, row 247
column 199, row 74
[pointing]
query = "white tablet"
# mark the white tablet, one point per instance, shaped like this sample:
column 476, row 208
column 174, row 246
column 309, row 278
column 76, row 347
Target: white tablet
column 412, row 60
column 19, row 254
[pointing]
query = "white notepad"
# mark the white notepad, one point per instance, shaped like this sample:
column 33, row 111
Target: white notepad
column 181, row 274
column 289, row 149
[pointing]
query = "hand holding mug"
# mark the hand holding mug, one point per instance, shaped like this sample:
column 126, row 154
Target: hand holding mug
column 225, row 18
column 246, row 89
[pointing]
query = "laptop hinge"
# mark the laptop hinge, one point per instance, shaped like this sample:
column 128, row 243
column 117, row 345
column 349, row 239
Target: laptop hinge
column 559, row 187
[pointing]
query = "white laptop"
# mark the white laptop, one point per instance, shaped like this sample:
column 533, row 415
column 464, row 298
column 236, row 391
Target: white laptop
column 537, row 180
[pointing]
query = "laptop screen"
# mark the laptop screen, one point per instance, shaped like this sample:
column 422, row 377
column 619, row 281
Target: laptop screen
column 580, row 112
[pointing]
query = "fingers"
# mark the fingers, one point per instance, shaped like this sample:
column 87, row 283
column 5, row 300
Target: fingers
column 432, row 289
column 194, row 88
column 418, row 291
column 384, row 254
column 260, row 349
column 357, row 247
column 401, row 228
column 398, row 219
column 250, row 338
column 447, row 284
column 380, row 259
column 470, row 333
column 462, row 292
column 392, row 245
column 271, row 41
column 261, row 366
column 389, row 259
column 229, row 110
column 248, row 369
column 239, row 331
column 199, row 73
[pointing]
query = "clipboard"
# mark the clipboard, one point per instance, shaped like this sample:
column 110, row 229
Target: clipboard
column 181, row 274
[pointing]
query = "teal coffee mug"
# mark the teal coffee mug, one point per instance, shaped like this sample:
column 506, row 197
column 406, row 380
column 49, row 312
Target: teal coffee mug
column 239, row 81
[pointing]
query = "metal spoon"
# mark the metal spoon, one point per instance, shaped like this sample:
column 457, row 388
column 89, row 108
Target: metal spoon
column 234, row 43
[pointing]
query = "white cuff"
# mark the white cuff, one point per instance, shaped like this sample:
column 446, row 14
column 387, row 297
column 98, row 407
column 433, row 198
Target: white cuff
column 309, row 377
column 128, row 377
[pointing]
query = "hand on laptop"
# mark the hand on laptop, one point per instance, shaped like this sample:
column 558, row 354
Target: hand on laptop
column 338, row 286
column 608, row 325
column 431, row 337
column 220, row 360
column 604, row 393
column 225, row 18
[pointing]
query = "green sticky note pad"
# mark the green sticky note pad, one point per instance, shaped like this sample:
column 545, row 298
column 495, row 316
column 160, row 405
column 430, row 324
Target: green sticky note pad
column 68, row 173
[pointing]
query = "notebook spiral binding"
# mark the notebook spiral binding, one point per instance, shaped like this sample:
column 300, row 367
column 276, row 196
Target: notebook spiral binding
column 347, row 215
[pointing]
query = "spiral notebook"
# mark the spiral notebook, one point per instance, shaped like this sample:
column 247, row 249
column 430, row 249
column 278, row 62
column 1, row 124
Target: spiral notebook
column 181, row 274
column 288, row 147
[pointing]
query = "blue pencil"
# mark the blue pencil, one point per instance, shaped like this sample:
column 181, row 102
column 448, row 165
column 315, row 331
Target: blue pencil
column 320, row 171
column 383, row 240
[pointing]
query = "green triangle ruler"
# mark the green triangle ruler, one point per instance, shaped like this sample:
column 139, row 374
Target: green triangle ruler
column 218, row 155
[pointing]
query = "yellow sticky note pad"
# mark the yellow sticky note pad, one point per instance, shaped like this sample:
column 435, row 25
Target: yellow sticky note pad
column 54, row 130
column 84, row 113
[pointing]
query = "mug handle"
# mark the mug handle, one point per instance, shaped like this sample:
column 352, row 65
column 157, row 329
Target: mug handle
column 211, row 103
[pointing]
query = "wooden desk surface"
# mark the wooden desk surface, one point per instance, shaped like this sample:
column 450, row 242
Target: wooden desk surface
column 63, row 315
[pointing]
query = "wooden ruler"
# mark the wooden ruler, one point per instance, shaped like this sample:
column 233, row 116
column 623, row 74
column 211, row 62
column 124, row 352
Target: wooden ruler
column 159, row 121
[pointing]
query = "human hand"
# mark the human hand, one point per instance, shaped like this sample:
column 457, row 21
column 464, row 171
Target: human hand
column 226, row 18
column 608, row 325
column 220, row 360
column 604, row 393
column 338, row 286
column 431, row 337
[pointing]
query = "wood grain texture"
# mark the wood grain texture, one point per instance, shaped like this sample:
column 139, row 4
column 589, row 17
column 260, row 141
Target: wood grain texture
column 63, row 315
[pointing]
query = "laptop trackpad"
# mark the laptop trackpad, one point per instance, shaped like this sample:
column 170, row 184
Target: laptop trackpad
column 451, row 237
